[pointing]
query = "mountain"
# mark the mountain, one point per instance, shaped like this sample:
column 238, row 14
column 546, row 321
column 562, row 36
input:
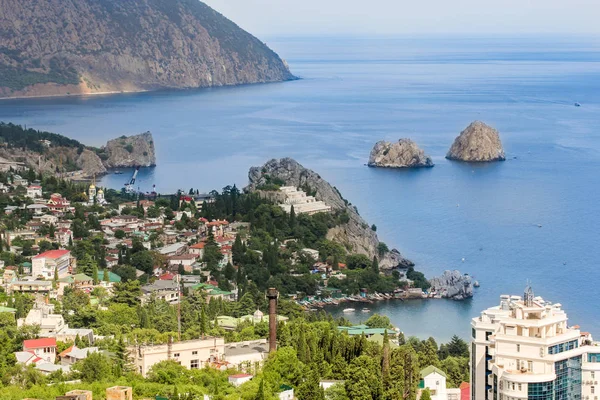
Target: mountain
column 61, row 47
column 355, row 234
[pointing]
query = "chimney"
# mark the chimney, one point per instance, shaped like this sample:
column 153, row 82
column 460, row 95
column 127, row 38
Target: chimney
column 272, row 295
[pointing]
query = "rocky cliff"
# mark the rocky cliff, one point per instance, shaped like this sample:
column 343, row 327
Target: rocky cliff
column 356, row 234
column 130, row 151
column 403, row 154
column 453, row 285
column 477, row 143
column 65, row 47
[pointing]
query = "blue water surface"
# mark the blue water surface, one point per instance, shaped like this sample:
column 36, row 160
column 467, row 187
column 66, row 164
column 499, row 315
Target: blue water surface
column 356, row 91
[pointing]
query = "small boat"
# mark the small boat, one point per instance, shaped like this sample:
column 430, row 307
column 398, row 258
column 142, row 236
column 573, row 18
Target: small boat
column 577, row 105
column 118, row 173
column 366, row 310
column 476, row 284
column 348, row 310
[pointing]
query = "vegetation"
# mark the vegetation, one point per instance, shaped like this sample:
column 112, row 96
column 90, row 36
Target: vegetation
column 15, row 136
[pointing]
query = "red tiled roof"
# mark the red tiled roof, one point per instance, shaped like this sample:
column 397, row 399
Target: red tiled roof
column 167, row 277
column 240, row 376
column 65, row 352
column 39, row 343
column 53, row 254
column 198, row 245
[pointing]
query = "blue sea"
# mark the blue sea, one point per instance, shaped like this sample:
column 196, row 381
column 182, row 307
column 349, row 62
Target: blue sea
column 533, row 217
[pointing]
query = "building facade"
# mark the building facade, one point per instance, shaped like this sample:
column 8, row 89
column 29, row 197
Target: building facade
column 192, row 354
column 46, row 263
column 524, row 349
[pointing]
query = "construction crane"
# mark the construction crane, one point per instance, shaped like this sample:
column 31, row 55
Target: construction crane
column 130, row 187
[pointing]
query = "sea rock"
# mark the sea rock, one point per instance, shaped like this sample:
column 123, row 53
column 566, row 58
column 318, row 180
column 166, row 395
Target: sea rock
column 453, row 285
column 403, row 154
column 356, row 234
column 90, row 163
column 477, row 143
column 130, row 151
column 53, row 48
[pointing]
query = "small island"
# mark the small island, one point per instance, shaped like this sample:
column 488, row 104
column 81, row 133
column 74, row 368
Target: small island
column 403, row 154
column 477, row 143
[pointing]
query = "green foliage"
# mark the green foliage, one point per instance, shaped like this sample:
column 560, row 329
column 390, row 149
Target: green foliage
column 379, row 321
column 426, row 394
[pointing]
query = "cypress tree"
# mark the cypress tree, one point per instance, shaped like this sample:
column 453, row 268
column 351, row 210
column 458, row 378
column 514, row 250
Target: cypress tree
column 375, row 265
column 105, row 277
column 385, row 362
column 95, row 274
column 292, row 219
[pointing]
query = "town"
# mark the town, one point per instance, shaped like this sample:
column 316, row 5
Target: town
column 112, row 295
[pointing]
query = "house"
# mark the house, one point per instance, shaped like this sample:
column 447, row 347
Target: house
column 244, row 355
column 162, row 290
column 73, row 354
column 67, row 334
column 44, row 348
column 49, row 219
column 37, row 209
column 19, row 181
column 58, row 204
column 187, row 260
column 174, row 249
column 198, row 249
column 63, row 236
column 47, row 368
column 41, row 287
column 43, row 316
column 434, row 379
column 119, row 393
column 34, row 191
column 45, row 264
column 286, row 392
column 192, row 354
column 239, row 379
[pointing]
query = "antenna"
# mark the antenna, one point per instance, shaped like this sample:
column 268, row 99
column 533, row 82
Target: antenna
column 528, row 295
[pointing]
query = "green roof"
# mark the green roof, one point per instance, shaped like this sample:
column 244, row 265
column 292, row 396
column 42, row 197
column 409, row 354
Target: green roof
column 360, row 329
column 26, row 264
column 203, row 286
column 112, row 277
column 216, row 292
column 430, row 370
column 82, row 278
column 67, row 279
column 7, row 309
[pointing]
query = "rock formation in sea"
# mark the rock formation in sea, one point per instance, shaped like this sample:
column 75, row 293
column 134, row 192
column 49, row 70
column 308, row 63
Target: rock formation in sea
column 94, row 46
column 403, row 154
column 355, row 234
column 453, row 285
column 477, row 143
column 130, row 151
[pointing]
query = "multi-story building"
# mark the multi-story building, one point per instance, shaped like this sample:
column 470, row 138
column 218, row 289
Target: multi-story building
column 46, row 263
column 192, row 354
column 524, row 349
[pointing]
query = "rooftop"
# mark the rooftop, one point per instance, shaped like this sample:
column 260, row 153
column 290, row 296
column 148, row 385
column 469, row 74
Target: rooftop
column 52, row 254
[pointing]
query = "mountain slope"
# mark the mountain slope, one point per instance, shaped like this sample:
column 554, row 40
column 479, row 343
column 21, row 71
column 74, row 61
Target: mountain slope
column 54, row 47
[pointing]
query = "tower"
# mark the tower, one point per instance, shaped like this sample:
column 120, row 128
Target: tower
column 272, row 295
column 92, row 190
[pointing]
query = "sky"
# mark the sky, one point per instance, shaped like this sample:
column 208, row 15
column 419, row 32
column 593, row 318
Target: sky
column 385, row 17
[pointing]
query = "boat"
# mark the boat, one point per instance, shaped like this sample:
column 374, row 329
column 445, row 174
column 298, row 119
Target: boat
column 366, row 310
column 577, row 105
column 476, row 284
column 348, row 310
column 118, row 173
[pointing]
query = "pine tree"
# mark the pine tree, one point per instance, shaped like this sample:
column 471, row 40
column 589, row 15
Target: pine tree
column 375, row 265
column 335, row 265
column 95, row 274
column 203, row 322
column 260, row 395
column 310, row 388
column 292, row 219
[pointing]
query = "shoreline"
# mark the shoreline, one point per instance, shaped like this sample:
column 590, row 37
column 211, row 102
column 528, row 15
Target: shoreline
column 49, row 96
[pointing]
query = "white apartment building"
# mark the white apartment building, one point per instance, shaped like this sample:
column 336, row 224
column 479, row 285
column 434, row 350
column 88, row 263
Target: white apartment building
column 192, row 354
column 46, row 263
column 524, row 349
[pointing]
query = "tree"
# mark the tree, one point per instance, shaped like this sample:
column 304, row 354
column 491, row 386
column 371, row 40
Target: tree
column 285, row 363
column 128, row 293
column 105, row 276
column 229, row 272
column 375, row 265
column 374, row 228
column 95, row 275
column 378, row 321
column 119, row 234
column 94, row 367
column 292, row 219
column 426, row 394
column 363, row 379
column 310, row 388
column 382, row 249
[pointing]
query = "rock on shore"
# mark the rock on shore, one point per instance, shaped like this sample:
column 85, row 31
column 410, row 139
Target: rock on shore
column 130, row 151
column 477, row 143
column 403, row 154
column 453, row 285
column 356, row 234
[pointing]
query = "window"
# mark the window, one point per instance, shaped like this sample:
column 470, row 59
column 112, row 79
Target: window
column 529, row 366
column 194, row 352
column 592, row 390
column 518, row 348
column 194, row 364
column 473, row 333
column 593, row 375
column 512, row 386
column 176, row 355
column 519, row 387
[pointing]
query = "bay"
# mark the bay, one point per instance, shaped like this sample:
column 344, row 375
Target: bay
column 356, row 91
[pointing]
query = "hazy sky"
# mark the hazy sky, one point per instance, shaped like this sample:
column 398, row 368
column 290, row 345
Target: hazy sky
column 416, row 16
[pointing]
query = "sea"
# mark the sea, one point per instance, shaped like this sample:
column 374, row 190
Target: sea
column 531, row 219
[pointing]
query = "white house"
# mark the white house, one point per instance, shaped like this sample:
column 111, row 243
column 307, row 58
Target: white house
column 44, row 348
column 435, row 380
column 34, row 191
column 46, row 263
column 239, row 379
